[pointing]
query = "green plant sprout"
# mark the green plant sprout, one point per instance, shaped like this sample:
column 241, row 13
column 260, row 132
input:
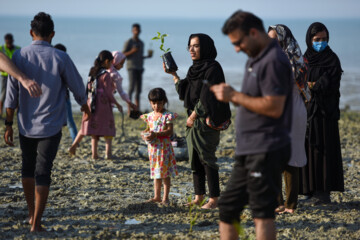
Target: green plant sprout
column 240, row 230
column 161, row 37
column 193, row 217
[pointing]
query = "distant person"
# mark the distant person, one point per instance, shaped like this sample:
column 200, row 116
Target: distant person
column 69, row 116
column 301, row 95
column 134, row 52
column 40, row 119
column 8, row 66
column 161, row 153
column 8, row 49
column 100, row 89
column 263, row 126
column 205, row 114
column 324, row 171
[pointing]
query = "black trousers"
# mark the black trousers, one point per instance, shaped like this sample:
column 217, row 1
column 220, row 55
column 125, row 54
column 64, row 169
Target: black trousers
column 254, row 181
column 202, row 171
column 38, row 155
column 135, row 78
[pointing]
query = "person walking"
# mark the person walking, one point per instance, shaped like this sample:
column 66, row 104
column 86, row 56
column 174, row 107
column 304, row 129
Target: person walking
column 263, row 125
column 40, row 120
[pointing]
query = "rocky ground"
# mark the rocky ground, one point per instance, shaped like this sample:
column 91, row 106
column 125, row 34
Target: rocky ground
column 104, row 199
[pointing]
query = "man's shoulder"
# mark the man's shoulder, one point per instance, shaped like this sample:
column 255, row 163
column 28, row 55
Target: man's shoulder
column 276, row 54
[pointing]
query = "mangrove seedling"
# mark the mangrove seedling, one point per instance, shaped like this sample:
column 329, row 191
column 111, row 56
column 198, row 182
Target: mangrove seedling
column 194, row 208
column 161, row 37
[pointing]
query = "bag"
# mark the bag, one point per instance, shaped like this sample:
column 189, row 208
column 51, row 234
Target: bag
column 223, row 126
column 91, row 90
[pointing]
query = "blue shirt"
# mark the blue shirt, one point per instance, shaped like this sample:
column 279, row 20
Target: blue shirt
column 54, row 71
column 268, row 74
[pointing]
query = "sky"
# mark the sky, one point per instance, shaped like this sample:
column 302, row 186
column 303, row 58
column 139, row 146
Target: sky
column 183, row 8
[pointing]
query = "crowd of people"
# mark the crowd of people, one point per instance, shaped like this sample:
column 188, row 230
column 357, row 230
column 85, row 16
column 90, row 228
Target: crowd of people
column 286, row 124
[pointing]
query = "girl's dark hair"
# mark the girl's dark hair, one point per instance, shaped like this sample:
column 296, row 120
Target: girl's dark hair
column 103, row 55
column 42, row 24
column 157, row 95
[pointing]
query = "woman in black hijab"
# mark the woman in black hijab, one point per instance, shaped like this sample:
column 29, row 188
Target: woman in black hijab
column 205, row 113
column 324, row 171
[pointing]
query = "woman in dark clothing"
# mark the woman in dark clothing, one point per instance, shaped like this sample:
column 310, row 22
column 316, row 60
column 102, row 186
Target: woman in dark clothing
column 203, row 110
column 324, row 171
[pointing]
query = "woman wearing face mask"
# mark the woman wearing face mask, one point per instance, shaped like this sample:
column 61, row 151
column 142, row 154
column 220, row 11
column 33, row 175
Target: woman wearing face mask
column 204, row 114
column 324, row 171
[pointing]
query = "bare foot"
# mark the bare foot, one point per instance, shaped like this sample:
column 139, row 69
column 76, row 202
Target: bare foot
column 280, row 209
column 38, row 229
column 95, row 157
column 210, row 205
column 289, row 210
column 165, row 202
column 153, row 200
column 108, row 156
column 194, row 202
column 31, row 219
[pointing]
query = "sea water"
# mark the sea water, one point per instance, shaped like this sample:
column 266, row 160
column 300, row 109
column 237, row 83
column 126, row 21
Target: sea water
column 84, row 38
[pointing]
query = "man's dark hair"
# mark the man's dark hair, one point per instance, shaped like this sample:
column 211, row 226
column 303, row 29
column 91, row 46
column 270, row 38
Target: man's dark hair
column 9, row 36
column 42, row 24
column 243, row 21
column 136, row 25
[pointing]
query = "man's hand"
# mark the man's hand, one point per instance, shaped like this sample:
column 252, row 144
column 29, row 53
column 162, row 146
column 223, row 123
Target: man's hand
column 87, row 113
column 223, row 92
column 32, row 87
column 8, row 136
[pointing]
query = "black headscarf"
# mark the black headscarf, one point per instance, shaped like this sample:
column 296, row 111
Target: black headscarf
column 192, row 89
column 324, row 59
column 325, row 70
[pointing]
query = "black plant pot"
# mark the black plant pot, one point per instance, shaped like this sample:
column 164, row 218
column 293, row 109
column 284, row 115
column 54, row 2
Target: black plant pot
column 170, row 65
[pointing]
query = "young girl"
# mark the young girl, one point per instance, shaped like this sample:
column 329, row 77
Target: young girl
column 161, row 153
column 100, row 100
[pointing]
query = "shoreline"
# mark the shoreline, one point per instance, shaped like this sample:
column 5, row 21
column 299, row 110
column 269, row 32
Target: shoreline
column 105, row 198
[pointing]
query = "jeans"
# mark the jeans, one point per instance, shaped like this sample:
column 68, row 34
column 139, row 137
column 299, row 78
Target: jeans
column 70, row 120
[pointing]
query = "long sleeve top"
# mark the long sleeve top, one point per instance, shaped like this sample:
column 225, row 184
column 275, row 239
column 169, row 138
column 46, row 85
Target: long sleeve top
column 54, row 71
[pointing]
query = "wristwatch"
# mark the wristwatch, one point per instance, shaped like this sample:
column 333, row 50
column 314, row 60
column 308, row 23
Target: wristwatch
column 8, row 123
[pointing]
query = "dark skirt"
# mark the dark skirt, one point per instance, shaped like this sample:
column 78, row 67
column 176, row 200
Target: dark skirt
column 324, row 170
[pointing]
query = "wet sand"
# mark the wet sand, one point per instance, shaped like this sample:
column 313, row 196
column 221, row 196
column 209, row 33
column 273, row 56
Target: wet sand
column 104, row 199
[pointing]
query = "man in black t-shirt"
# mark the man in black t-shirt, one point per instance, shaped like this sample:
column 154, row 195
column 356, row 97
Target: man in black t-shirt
column 263, row 124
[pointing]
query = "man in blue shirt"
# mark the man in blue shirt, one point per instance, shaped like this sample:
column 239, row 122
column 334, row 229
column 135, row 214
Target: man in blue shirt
column 263, row 122
column 40, row 119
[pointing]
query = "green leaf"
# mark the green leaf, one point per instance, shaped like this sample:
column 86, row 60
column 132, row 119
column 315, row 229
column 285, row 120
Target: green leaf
column 155, row 38
column 162, row 40
column 164, row 35
column 167, row 49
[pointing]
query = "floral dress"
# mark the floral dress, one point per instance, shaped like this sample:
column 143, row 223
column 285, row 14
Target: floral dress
column 161, row 152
